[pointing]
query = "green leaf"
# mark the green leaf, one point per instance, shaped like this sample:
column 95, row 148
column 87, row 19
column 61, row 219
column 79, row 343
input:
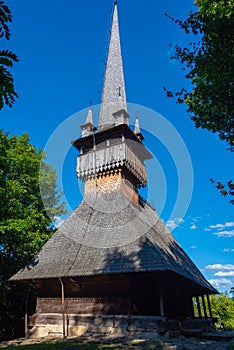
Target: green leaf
column 25, row 222
column 208, row 62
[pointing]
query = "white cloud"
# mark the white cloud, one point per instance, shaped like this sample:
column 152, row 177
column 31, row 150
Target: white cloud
column 225, row 267
column 222, row 226
column 193, row 227
column 196, row 218
column 228, row 250
column 58, row 221
column 193, row 247
column 224, row 233
column 220, row 283
column 224, row 274
column 222, row 230
column 194, row 222
column 171, row 224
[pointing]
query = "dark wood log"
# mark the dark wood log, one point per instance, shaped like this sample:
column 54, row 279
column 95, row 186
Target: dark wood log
column 84, row 306
column 198, row 307
column 204, row 306
column 209, row 305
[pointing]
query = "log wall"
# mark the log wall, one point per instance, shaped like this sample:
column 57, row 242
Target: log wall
column 84, row 306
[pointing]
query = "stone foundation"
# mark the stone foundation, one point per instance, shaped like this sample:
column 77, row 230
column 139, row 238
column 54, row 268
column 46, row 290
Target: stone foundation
column 42, row 325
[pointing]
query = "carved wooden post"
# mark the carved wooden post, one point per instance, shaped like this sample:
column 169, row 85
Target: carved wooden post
column 26, row 318
column 209, row 306
column 192, row 308
column 26, row 314
column 204, row 306
column 198, row 307
column 162, row 309
column 63, row 306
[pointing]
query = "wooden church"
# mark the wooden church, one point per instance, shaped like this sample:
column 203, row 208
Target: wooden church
column 113, row 266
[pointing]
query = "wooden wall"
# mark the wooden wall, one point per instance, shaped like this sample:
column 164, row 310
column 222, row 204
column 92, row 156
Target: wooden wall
column 136, row 294
column 95, row 306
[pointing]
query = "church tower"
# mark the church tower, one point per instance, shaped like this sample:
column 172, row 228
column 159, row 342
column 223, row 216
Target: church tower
column 113, row 266
column 112, row 158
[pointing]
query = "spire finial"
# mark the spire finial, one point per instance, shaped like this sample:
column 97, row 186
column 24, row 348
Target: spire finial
column 89, row 118
column 137, row 126
column 88, row 126
column 113, row 93
column 137, row 130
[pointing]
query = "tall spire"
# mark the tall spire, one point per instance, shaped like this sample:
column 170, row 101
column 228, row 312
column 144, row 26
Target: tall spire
column 113, row 93
column 88, row 126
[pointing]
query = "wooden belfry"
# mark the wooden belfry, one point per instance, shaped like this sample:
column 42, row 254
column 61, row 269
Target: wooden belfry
column 113, row 265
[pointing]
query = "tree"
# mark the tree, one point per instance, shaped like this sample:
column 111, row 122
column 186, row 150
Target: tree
column 208, row 62
column 225, row 189
column 223, row 309
column 7, row 59
column 209, row 65
column 232, row 293
column 25, row 222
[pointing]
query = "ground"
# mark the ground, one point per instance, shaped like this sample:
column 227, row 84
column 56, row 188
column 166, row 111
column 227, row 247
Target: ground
column 138, row 342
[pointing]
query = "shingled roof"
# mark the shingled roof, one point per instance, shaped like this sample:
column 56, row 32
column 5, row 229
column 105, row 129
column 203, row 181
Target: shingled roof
column 108, row 235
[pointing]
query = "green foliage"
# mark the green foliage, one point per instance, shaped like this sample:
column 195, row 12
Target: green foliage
column 7, row 59
column 223, row 308
column 226, row 190
column 5, row 17
column 232, row 293
column 220, row 7
column 208, row 63
column 25, row 224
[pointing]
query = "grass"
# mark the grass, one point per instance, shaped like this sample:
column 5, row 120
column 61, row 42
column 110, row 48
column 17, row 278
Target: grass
column 61, row 346
column 74, row 345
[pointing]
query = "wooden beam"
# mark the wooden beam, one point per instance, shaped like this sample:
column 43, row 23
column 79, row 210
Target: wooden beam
column 26, row 318
column 204, row 306
column 162, row 307
column 198, row 307
column 26, row 313
column 191, row 307
column 63, row 306
column 209, row 305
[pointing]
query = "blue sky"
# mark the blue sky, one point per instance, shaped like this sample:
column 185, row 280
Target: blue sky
column 62, row 47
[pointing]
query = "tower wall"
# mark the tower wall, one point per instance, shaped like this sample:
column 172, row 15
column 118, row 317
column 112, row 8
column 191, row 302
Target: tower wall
column 108, row 182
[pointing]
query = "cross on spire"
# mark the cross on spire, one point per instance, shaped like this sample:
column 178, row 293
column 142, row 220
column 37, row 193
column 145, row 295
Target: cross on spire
column 113, row 93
